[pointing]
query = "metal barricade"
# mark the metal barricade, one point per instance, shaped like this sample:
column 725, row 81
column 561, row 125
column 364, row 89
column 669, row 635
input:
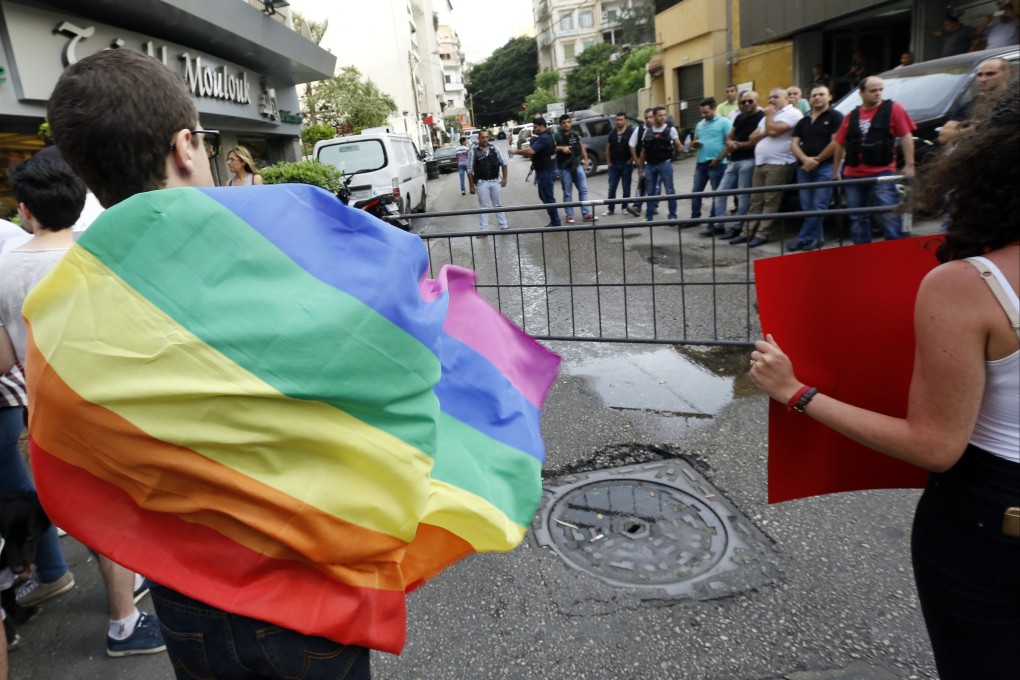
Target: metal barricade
column 636, row 282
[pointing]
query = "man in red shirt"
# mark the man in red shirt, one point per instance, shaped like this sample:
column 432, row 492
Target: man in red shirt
column 866, row 147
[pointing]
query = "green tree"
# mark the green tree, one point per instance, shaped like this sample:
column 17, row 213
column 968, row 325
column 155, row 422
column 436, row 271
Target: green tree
column 593, row 66
column 637, row 23
column 545, row 93
column 631, row 76
column 317, row 29
column 349, row 102
column 503, row 81
column 310, row 134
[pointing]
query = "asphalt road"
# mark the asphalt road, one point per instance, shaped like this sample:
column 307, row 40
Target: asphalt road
column 838, row 601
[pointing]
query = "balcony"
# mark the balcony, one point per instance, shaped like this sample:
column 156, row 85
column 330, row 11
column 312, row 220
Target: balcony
column 541, row 12
column 281, row 14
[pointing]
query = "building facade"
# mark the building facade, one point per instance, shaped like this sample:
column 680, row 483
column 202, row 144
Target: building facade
column 399, row 51
column 827, row 32
column 565, row 28
column 241, row 59
column 455, row 91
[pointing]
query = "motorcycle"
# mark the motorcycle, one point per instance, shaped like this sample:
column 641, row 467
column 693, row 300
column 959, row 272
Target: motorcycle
column 384, row 206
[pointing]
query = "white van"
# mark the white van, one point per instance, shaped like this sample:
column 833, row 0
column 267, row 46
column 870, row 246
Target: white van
column 383, row 162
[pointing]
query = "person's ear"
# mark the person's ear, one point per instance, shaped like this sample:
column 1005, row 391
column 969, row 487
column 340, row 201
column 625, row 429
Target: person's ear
column 182, row 153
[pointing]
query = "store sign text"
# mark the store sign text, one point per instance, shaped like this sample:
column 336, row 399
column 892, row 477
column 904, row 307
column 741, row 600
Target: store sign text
column 201, row 79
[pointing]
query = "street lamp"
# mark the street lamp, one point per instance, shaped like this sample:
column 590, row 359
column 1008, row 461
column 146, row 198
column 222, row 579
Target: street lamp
column 473, row 107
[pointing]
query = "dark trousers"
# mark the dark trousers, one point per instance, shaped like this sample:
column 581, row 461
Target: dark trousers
column 967, row 571
column 205, row 642
column 546, row 181
column 619, row 172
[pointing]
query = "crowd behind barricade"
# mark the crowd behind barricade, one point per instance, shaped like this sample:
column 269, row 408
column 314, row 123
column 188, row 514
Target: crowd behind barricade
column 794, row 137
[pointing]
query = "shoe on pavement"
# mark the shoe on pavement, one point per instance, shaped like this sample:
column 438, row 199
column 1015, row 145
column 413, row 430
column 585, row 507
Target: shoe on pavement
column 648, row 219
column 146, row 638
column 634, row 210
column 794, row 246
column 553, row 224
column 711, row 231
column 756, row 241
column 813, row 245
column 608, row 213
column 33, row 591
column 570, row 220
column 738, row 240
column 730, row 234
column 590, row 217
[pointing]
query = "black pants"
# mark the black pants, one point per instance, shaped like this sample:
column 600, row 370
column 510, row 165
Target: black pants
column 967, row 571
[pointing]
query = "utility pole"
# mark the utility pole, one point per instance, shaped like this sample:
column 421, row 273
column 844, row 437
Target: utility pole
column 473, row 124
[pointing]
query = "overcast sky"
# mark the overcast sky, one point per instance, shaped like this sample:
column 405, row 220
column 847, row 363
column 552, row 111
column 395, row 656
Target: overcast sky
column 483, row 25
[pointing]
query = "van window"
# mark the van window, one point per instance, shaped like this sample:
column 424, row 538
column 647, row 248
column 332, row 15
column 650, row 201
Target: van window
column 363, row 155
column 597, row 128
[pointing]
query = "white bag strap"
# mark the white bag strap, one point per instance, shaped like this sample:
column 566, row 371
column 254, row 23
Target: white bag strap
column 990, row 273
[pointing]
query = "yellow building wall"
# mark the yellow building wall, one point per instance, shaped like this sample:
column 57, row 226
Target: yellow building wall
column 696, row 31
column 766, row 66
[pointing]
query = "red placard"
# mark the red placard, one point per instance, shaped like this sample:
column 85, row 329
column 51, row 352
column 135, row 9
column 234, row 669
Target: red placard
column 844, row 316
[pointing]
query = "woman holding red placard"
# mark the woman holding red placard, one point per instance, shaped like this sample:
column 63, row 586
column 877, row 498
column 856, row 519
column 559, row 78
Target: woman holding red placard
column 963, row 417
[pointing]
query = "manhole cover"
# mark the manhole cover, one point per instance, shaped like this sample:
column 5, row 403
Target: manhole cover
column 657, row 526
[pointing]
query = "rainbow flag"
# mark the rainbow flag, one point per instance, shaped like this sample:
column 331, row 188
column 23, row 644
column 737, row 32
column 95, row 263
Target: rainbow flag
column 256, row 397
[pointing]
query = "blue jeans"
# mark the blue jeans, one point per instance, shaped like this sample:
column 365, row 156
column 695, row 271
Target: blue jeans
column 462, row 171
column 863, row 195
column 654, row 175
column 738, row 175
column 205, row 642
column 814, row 199
column 490, row 195
column 619, row 172
column 569, row 177
column 703, row 174
column 546, row 182
column 49, row 559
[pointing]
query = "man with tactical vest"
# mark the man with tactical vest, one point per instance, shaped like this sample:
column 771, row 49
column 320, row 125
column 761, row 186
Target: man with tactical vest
column 542, row 151
column 485, row 164
column 620, row 163
column 572, row 162
column 866, row 147
column 656, row 161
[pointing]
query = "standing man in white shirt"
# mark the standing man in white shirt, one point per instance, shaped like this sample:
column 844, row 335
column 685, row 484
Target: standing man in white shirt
column 774, row 164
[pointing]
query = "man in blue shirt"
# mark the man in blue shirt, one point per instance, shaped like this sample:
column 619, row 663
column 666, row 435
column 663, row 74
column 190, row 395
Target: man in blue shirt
column 710, row 142
column 543, row 162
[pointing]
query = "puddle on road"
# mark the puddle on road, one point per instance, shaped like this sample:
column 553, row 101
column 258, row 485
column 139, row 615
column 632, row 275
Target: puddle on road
column 683, row 382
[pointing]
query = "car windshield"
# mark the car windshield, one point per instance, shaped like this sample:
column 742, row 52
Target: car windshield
column 354, row 156
column 443, row 153
column 924, row 94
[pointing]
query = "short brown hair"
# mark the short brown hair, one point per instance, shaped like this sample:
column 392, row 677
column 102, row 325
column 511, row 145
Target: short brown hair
column 113, row 116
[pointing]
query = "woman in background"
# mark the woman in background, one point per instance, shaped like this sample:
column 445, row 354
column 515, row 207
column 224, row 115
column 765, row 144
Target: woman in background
column 242, row 166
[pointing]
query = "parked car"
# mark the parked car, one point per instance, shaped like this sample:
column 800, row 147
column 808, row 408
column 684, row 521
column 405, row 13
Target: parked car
column 932, row 91
column 446, row 158
column 385, row 163
column 519, row 135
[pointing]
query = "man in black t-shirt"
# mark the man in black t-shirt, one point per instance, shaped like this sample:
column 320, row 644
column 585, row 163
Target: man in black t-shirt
column 813, row 144
column 740, row 169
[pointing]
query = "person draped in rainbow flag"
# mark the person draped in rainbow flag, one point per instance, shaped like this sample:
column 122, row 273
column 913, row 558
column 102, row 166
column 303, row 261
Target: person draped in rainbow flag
column 256, row 397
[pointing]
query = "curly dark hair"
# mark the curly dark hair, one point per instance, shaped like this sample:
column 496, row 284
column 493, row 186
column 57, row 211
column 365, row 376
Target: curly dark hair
column 975, row 184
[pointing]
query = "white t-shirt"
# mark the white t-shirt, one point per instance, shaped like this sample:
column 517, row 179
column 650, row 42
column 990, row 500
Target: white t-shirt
column 11, row 236
column 777, row 150
column 20, row 270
